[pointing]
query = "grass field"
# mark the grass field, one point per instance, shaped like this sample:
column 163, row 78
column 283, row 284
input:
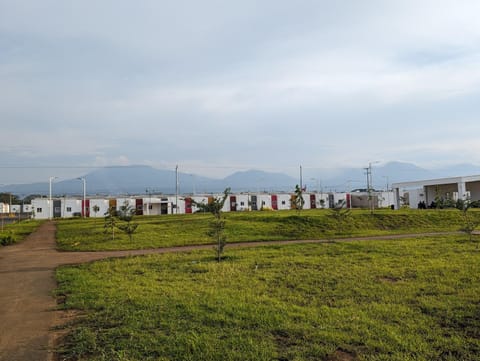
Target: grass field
column 181, row 230
column 416, row 299
column 16, row 232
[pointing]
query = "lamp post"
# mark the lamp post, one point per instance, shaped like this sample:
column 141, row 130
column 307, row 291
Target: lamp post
column 84, row 196
column 149, row 193
column 370, row 184
column 50, row 197
column 386, row 189
column 176, row 189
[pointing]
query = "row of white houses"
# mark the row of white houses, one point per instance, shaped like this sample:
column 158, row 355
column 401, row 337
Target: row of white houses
column 411, row 194
column 66, row 207
column 6, row 208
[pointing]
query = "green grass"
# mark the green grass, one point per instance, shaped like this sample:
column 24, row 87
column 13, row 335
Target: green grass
column 181, row 230
column 16, row 232
column 416, row 299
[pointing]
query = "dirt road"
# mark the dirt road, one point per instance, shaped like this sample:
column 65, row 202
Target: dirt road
column 27, row 280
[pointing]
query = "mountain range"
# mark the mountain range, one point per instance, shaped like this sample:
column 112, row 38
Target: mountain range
column 142, row 179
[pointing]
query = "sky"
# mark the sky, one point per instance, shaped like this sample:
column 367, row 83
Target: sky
column 220, row 86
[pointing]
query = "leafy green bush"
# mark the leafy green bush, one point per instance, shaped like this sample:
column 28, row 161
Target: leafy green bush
column 6, row 240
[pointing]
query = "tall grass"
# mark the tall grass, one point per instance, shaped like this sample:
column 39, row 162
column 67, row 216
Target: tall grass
column 416, row 299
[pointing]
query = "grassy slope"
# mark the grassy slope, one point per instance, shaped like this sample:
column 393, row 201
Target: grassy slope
column 415, row 299
column 179, row 230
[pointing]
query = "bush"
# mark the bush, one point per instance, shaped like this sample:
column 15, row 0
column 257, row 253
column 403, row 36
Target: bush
column 6, row 240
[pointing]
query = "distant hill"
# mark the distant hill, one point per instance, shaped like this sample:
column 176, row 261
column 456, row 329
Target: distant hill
column 142, row 179
column 352, row 178
column 257, row 180
column 145, row 179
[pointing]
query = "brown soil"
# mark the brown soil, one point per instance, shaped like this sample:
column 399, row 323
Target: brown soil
column 340, row 355
column 28, row 314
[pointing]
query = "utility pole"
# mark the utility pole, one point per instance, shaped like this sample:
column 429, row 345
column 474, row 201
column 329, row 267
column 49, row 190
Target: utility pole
column 370, row 185
column 301, row 179
column 367, row 172
column 84, row 196
column 50, row 213
column 176, row 189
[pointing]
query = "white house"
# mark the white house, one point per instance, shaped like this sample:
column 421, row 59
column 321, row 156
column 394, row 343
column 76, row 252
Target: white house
column 41, row 208
column 27, row 208
column 102, row 205
column 284, row 201
column 429, row 191
column 242, row 202
column 264, row 201
column 4, row 208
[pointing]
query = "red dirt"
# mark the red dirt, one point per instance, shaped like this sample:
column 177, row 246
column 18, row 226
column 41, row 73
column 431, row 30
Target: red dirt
column 28, row 312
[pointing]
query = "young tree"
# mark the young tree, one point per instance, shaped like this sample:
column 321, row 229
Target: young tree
column 298, row 201
column 125, row 214
column 95, row 210
column 217, row 226
column 339, row 212
column 110, row 222
column 469, row 222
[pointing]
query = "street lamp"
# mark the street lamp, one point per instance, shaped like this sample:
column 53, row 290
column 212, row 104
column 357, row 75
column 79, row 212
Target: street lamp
column 84, row 195
column 370, row 184
column 50, row 197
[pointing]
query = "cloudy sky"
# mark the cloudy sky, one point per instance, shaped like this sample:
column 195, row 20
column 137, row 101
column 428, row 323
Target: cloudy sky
column 220, row 86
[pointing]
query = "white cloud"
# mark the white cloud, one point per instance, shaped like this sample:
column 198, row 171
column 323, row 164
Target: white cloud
column 128, row 82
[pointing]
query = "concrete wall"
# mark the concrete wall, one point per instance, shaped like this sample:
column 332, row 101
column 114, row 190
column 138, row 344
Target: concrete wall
column 71, row 207
column 41, row 208
column 102, row 204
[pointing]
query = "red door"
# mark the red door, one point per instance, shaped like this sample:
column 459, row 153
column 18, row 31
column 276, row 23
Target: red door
column 188, row 205
column 233, row 203
column 139, row 206
column 274, row 202
column 86, row 207
column 313, row 201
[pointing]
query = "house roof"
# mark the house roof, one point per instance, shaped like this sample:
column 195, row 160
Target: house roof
column 438, row 181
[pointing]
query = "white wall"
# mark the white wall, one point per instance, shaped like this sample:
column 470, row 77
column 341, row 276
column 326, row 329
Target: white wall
column 126, row 201
column 103, row 206
column 385, row 199
column 264, row 200
column 41, row 208
column 284, row 201
column 71, row 207
column 242, row 202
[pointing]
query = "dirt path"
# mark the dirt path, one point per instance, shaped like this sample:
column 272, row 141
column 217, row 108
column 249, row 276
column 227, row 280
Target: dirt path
column 27, row 279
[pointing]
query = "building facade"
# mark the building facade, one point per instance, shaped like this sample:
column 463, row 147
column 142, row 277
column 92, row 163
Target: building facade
column 427, row 193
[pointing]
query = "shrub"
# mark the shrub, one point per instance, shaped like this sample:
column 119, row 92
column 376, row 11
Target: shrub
column 6, row 240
